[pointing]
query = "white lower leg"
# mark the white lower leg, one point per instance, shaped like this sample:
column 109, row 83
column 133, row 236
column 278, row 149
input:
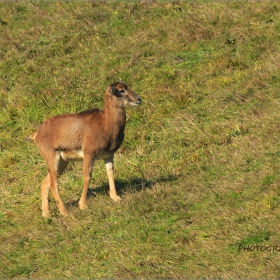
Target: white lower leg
column 110, row 172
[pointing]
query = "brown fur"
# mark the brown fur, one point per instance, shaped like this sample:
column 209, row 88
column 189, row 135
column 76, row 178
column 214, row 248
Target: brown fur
column 88, row 136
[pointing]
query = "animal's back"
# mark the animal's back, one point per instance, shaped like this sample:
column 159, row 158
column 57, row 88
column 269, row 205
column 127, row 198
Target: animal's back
column 68, row 131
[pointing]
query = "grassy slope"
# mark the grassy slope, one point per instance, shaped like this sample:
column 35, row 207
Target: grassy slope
column 199, row 168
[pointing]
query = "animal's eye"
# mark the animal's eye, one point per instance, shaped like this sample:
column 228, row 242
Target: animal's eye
column 122, row 91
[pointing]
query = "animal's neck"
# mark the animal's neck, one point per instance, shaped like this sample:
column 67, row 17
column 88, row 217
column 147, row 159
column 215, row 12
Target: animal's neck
column 115, row 119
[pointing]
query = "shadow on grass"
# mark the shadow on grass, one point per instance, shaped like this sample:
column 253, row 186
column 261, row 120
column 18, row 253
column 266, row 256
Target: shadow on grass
column 136, row 184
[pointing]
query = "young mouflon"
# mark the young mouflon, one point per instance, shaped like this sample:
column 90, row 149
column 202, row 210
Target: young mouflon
column 87, row 136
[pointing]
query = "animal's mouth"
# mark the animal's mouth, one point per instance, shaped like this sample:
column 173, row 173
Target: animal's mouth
column 137, row 103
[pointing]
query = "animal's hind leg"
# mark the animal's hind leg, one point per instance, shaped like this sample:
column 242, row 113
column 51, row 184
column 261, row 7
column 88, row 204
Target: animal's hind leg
column 45, row 194
column 56, row 166
column 46, row 187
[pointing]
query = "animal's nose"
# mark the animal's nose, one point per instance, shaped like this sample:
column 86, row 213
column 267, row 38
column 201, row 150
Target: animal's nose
column 139, row 99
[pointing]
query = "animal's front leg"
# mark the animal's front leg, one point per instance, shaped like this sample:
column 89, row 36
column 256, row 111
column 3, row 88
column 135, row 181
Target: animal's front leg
column 88, row 164
column 110, row 172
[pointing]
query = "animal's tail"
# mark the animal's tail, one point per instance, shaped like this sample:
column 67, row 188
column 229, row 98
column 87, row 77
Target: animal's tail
column 32, row 136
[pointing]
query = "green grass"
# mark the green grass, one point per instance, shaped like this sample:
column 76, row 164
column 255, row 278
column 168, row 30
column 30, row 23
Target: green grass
column 199, row 168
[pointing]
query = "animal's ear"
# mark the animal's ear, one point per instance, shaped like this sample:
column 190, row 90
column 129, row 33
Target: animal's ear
column 114, row 90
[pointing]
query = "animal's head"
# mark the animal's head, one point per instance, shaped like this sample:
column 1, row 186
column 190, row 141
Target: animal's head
column 123, row 95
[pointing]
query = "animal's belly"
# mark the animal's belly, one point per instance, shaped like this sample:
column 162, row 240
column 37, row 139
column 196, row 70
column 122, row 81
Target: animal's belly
column 76, row 155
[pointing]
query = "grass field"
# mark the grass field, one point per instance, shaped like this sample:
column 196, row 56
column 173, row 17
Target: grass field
column 198, row 171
